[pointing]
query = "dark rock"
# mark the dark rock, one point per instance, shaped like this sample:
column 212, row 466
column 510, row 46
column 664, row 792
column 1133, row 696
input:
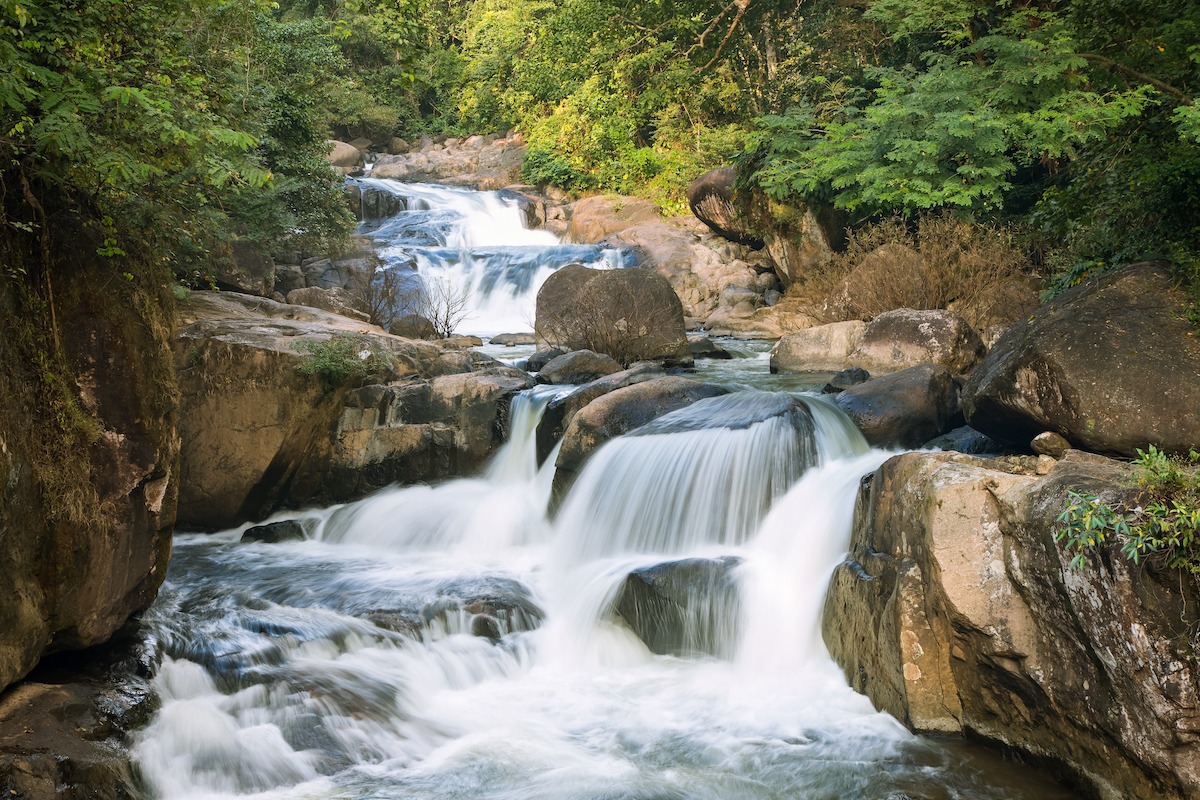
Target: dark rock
column 576, row 367
column 288, row 530
column 1112, row 366
column 906, row 408
column 845, row 379
column 682, row 607
column 562, row 409
column 1049, row 443
column 486, row 626
column 966, row 439
column 703, row 347
column 541, row 358
column 413, row 326
column 711, row 199
column 243, row 266
column 628, row 314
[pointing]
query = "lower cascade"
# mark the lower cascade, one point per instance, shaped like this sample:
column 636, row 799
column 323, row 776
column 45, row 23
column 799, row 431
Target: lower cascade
column 659, row 638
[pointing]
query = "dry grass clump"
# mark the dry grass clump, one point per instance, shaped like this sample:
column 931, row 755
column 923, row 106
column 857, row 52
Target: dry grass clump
column 974, row 270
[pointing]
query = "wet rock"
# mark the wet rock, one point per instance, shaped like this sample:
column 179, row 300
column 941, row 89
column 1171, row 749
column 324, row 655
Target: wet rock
column 288, row 530
column 486, row 626
column 683, row 607
column 906, row 408
column 618, row 412
column 703, row 347
column 576, row 367
column 627, row 314
column 971, row 619
column 845, row 379
column 1112, row 366
column 562, row 409
column 541, row 358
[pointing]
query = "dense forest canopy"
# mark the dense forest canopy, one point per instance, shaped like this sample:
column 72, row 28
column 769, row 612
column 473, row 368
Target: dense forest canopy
column 194, row 122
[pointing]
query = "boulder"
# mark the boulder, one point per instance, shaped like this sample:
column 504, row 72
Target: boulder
column 1112, row 366
column 711, row 197
column 958, row 613
column 337, row 301
column 628, row 314
column 904, row 338
column 288, row 530
column 618, row 412
column 683, row 607
column 413, row 326
column 471, row 163
column 541, row 358
column 344, row 155
column 773, row 322
column 822, row 348
column 89, row 454
column 513, row 339
column 965, row 439
column 904, row 409
column 576, row 367
column 892, row 341
column 594, row 218
column 845, row 379
column 243, row 266
column 703, row 347
column 1049, row 443
column 562, row 409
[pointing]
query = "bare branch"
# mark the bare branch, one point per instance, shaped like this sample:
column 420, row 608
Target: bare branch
column 742, row 5
column 1182, row 96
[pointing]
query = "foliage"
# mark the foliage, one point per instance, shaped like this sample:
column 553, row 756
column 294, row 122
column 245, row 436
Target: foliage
column 941, row 261
column 1163, row 521
column 342, row 360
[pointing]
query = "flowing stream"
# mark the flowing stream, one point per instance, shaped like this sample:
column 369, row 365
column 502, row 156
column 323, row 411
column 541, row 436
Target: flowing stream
column 470, row 244
column 455, row 642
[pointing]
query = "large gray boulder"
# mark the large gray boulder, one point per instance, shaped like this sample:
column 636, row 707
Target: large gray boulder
column 906, row 408
column 1112, row 366
column 958, row 612
column 628, row 314
column 562, row 409
column 576, row 367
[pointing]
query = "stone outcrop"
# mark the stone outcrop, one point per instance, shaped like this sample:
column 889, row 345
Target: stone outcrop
column 336, row 301
column 562, row 409
column 594, row 218
column 904, row 409
column 628, row 314
column 892, row 341
column 958, row 612
column 89, row 458
column 482, row 162
column 618, row 412
column 259, row 434
column 712, row 197
column 344, row 156
column 1112, row 366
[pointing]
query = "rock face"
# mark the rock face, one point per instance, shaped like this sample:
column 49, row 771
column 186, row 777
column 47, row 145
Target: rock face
column 958, row 612
column 336, row 301
column 258, row 434
column 89, row 464
column 594, row 218
column 892, row 341
column 1112, row 366
column 618, row 412
column 628, row 314
column 683, row 607
column 904, row 409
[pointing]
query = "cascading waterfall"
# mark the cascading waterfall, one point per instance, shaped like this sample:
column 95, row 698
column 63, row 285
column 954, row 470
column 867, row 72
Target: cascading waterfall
column 470, row 244
column 453, row 642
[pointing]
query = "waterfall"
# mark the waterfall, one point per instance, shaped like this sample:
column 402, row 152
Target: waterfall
column 471, row 245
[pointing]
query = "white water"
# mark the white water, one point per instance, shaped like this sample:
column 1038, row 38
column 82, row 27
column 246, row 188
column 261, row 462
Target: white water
column 475, row 245
column 343, row 666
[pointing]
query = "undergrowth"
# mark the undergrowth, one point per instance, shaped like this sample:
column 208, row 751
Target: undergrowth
column 1161, row 521
column 343, row 360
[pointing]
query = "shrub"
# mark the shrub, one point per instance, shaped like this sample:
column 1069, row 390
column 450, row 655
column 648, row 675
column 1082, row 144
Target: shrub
column 945, row 262
column 343, row 360
column 1162, row 520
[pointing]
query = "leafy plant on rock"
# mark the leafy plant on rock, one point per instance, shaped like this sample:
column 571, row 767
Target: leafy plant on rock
column 1162, row 521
